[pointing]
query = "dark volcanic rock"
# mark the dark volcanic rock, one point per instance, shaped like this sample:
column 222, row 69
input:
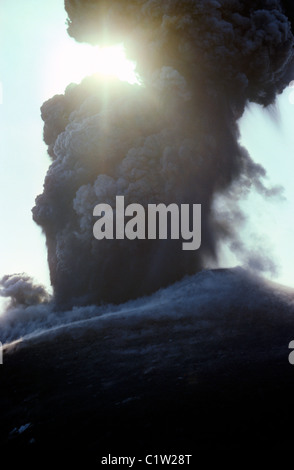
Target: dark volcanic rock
column 202, row 364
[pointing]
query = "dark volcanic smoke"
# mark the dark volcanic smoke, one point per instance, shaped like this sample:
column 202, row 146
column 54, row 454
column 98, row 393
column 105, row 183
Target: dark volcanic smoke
column 175, row 139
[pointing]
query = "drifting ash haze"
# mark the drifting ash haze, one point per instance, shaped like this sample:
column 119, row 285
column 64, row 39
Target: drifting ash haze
column 211, row 299
column 135, row 342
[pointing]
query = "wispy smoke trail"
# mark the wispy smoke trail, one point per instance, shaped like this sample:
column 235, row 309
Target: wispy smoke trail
column 175, row 139
column 22, row 291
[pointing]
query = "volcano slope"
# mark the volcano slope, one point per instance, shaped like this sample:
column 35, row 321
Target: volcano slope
column 202, row 364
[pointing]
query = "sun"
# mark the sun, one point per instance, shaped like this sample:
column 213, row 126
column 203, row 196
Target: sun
column 107, row 61
column 71, row 62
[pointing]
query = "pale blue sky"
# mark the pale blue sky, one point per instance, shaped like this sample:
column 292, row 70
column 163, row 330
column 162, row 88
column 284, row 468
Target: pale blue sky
column 32, row 37
column 271, row 142
column 27, row 31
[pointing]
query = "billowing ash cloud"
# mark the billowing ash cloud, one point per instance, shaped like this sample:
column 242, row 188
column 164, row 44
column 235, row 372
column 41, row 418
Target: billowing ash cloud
column 22, row 291
column 175, row 139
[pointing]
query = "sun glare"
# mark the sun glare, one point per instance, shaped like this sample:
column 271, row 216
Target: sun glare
column 72, row 62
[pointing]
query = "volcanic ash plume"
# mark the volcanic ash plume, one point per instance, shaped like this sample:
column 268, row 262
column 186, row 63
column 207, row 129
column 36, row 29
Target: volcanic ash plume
column 22, row 291
column 172, row 140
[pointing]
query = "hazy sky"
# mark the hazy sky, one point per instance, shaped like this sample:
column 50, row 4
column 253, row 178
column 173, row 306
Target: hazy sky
column 32, row 69
column 270, row 141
